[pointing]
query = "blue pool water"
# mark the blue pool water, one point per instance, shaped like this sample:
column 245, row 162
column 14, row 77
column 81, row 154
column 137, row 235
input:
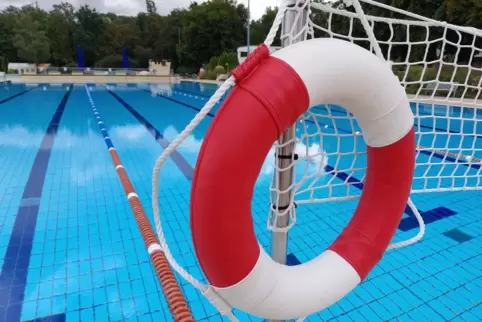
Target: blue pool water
column 70, row 248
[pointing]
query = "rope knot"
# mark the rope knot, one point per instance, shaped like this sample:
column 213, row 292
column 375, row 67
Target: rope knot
column 250, row 63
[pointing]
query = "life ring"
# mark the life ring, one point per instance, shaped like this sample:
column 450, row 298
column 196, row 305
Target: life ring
column 254, row 115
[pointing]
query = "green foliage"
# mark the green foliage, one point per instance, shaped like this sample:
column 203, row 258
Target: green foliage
column 114, row 61
column 151, row 6
column 213, row 62
column 143, row 55
column 221, row 65
column 206, row 33
column 31, row 42
column 229, row 60
column 210, row 28
column 448, row 73
column 209, row 74
column 90, row 27
column 3, row 63
column 261, row 27
column 219, row 70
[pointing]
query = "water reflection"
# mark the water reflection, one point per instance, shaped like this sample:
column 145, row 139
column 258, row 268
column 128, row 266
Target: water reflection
column 19, row 136
column 160, row 89
column 129, row 132
column 312, row 159
column 190, row 144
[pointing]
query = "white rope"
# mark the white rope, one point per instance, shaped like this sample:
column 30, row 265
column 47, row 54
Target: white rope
column 420, row 234
column 276, row 23
column 222, row 306
column 366, row 25
column 205, row 289
column 432, row 22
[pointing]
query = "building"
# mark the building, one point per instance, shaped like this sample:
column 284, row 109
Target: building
column 23, row 68
column 162, row 68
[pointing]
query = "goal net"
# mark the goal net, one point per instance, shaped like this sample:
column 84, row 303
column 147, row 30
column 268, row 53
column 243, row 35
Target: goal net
column 440, row 67
column 438, row 64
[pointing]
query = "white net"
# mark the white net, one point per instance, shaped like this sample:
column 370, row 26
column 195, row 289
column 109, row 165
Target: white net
column 440, row 66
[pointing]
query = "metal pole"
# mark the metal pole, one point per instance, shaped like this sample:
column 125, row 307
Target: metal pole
column 285, row 178
column 249, row 28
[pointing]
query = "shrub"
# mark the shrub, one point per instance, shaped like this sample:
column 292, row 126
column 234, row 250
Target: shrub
column 209, row 74
column 182, row 70
column 433, row 72
column 114, row 61
column 213, row 62
column 229, row 59
column 219, row 70
column 3, row 64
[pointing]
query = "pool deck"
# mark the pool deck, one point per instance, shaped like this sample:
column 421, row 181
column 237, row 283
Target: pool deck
column 83, row 79
column 444, row 100
column 413, row 98
column 202, row 81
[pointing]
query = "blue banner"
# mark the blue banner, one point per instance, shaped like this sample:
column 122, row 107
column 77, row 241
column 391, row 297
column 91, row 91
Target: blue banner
column 80, row 58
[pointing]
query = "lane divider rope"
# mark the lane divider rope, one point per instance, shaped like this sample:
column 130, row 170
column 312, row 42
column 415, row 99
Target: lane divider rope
column 175, row 298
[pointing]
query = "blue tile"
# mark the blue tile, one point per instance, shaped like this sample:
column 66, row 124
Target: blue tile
column 344, row 177
column 458, row 235
column 430, row 216
column 50, row 318
column 178, row 159
column 17, row 257
column 179, row 102
column 451, row 159
column 381, row 311
column 101, row 313
column 292, row 260
column 5, row 100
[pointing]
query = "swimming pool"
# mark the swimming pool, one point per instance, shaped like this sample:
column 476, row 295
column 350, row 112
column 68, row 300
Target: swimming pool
column 70, row 248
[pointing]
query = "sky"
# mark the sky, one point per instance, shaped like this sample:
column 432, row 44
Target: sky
column 132, row 7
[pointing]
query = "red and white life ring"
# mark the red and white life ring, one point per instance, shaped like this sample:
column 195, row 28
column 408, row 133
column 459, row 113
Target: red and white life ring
column 255, row 114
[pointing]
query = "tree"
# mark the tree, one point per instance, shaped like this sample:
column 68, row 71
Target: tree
column 189, row 37
column 143, row 55
column 210, row 28
column 261, row 27
column 115, row 61
column 60, row 36
column 118, row 35
column 151, row 6
column 154, row 34
column 174, row 36
column 31, row 42
column 3, row 64
column 89, row 29
column 6, row 38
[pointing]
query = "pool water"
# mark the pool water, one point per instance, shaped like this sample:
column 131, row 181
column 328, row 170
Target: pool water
column 70, row 248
